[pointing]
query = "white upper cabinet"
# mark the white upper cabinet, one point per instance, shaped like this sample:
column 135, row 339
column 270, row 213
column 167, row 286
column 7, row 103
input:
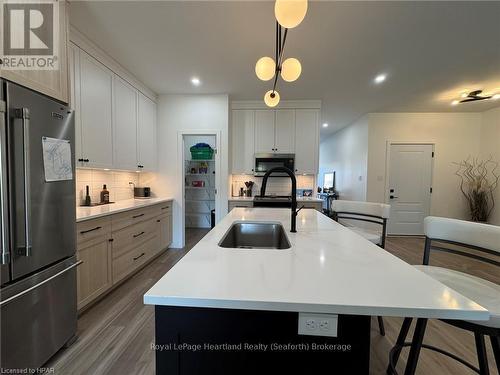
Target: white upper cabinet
column 242, row 141
column 275, row 131
column 306, row 141
column 96, row 113
column 115, row 124
column 74, row 74
column 147, row 157
column 284, row 140
column 124, row 125
column 53, row 83
column 264, row 131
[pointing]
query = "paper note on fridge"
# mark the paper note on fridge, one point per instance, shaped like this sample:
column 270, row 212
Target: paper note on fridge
column 57, row 159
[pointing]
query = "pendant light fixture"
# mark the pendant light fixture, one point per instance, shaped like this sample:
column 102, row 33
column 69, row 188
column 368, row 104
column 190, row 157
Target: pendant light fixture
column 289, row 14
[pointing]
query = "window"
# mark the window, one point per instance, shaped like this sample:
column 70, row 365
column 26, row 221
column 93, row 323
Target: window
column 328, row 180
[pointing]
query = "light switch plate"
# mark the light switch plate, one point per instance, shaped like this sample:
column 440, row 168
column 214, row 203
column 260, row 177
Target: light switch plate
column 318, row 324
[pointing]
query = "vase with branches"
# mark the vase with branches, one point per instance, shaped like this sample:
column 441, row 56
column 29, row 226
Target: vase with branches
column 478, row 181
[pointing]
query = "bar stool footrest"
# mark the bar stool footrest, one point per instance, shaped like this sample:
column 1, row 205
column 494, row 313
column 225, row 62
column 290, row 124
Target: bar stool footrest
column 391, row 370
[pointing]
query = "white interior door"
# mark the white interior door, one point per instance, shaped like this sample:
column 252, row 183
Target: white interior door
column 410, row 179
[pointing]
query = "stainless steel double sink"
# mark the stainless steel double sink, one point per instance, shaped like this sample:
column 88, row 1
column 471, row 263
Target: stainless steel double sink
column 255, row 235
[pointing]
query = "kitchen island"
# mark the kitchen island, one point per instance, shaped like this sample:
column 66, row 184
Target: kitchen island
column 232, row 310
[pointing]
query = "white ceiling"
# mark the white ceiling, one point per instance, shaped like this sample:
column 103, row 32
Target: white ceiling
column 431, row 51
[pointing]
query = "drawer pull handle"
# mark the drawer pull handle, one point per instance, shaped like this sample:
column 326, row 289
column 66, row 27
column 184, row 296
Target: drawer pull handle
column 136, row 216
column 138, row 234
column 139, row 256
column 164, row 208
column 158, row 220
column 90, row 230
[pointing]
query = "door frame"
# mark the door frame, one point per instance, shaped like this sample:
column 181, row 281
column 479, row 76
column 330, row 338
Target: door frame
column 389, row 143
column 181, row 168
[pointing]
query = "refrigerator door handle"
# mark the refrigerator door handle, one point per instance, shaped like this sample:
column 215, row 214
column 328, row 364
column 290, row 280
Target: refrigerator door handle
column 5, row 253
column 10, row 299
column 24, row 115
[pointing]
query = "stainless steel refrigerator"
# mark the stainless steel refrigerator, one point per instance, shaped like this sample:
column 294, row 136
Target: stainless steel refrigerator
column 38, row 245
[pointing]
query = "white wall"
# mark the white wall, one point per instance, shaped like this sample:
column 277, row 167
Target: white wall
column 455, row 135
column 346, row 152
column 490, row 146
column 177, row 113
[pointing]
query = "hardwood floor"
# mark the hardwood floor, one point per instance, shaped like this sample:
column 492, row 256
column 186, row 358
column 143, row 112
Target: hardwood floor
column 114, row 336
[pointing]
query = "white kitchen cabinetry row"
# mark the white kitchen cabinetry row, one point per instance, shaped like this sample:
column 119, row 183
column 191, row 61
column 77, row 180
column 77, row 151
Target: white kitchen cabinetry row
column 115, row 123
column 281, row 131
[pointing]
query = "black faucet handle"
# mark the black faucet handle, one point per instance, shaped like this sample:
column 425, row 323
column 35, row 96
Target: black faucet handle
column 297, row 211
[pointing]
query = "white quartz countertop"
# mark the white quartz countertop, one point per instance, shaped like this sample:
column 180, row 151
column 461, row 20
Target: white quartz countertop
column 299, row 199
column 328, row 269
column 87, row 213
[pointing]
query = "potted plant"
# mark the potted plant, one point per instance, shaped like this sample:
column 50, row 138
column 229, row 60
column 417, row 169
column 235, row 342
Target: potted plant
column 478, row 181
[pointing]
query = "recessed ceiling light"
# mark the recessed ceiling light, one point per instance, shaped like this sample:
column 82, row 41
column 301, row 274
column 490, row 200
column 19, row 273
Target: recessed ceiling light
column 325, row 125
column 380, row 78
column 495, row 97
column 455, row 102
column 195, row 81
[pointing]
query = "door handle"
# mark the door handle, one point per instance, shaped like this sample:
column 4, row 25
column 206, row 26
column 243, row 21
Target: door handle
column 90, row 230
column 24, row 115
column 10, row 299
column 138, row 234
column 5, row 253
column 137, row 257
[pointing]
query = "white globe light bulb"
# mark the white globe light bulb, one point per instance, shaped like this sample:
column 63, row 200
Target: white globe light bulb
column 291, row 69
column 272, row 98
column 290, row 13
column 265, row 68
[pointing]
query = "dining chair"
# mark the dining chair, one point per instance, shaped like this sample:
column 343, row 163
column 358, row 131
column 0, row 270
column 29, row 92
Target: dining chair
column 377, row 214
column 480, row 242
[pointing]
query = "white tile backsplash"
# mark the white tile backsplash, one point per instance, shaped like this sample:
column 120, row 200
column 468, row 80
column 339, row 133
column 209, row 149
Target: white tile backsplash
column 117, row 182
column 275, row 185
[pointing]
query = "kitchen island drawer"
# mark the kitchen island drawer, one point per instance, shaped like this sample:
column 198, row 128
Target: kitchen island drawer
column 130, row 261
column 132, row 236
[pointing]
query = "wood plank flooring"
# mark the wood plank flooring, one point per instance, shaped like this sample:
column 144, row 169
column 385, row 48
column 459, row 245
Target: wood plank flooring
column 114, row 336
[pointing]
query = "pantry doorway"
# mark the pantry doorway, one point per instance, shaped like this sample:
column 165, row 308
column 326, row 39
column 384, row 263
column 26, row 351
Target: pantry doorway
column 200, row 181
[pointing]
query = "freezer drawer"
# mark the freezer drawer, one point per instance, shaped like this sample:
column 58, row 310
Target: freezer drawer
column 36, row 324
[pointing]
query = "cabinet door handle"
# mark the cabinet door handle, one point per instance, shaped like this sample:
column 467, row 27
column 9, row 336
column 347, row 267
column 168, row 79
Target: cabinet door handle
column 80, row 160
column 86, row 160
column 158, row 220
column 137, row 257
column 138, row 234
column 90, row 230
column 136, row 216
column 164, row 208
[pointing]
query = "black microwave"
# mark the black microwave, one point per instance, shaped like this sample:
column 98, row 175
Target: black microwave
column 265, row 162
